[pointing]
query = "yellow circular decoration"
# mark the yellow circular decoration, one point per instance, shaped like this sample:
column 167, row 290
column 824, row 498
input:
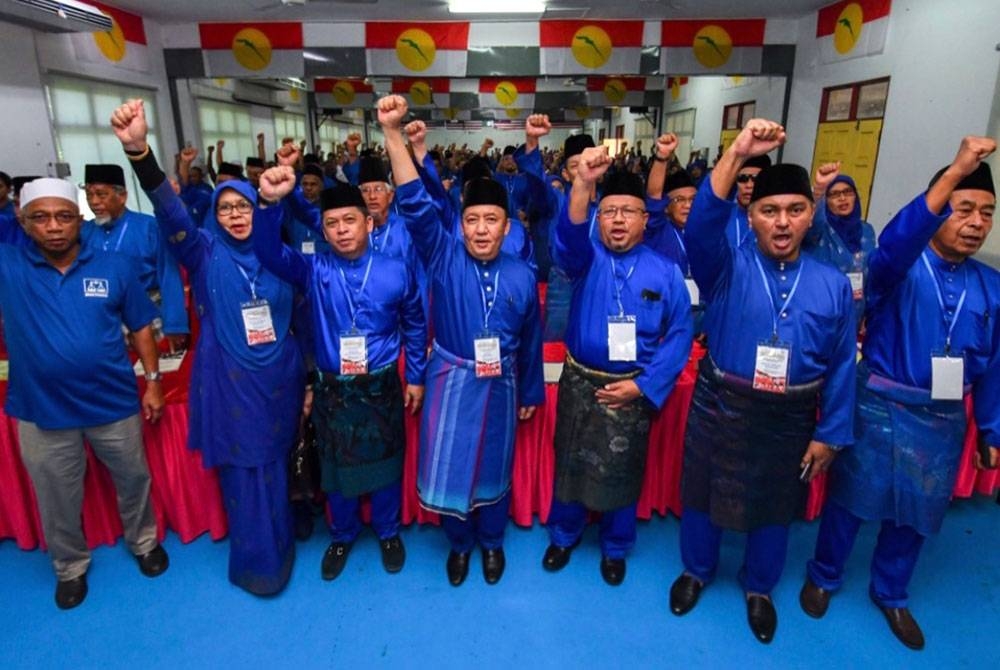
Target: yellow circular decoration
column 582, row 111
column 343, row 92
column 615, row 90
column 420, row 93
column 220, row 81
column 415, row 49
column 294, row 95
column 848, row 28
column 712, row 46
column 513, row 112
column 450, row 113
column 506, row 93
column 252, row 49
column 591, row 46
column 111, row 43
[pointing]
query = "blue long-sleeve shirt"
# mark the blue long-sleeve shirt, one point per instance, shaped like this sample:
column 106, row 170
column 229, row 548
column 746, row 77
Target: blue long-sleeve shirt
column 459, row 283
column 662, row 236
column 738, row 230
column 905, row 323
column 388, row 310
column 651, row 289
column 818, row 325
column 137, row 236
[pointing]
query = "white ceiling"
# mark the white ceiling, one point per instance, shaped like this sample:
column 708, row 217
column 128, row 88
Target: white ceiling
column 186, row 11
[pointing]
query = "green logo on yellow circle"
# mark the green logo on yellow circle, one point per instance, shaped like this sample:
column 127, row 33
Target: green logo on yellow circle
column 252, row 49
column 591, row 46
column 582, row 111
column 343, row 92
column 506, row 93
column 415, row 49
column 111, row 43
column 420, row 93
column 712, row 46
column 615, row 90
column 848, row 28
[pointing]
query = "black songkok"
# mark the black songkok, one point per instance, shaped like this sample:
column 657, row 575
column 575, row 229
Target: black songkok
column 980, row 180
column 253, row 161
column 484, row 192
column 314, row 170
column 231, row 170
column 575, row 144
column 372, row 169
column 624, row 183
column 342, row 195
column 782, row 179
column 761, row 162
column 104, row 174
column 676, row 180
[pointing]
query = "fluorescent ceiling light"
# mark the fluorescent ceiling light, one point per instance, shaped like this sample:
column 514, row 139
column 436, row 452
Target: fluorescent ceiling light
column 311, row 55
column 495, row 7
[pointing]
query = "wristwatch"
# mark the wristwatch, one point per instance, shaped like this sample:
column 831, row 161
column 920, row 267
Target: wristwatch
column 657, row 158
column 154, row 376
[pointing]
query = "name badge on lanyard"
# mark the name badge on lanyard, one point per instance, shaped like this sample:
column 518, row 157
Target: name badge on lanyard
column 309, row 246
column 857, row 280
column 487, row 344
column 353, row 353
column 770, row 370
column 487, row 347
column 947, row 371
column 693, row 291
column 257, row 322
column 621, row 338
column 947, row 377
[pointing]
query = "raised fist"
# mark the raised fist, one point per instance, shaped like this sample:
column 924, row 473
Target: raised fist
column 220, row 145
column 416, row 132
column 352, row 142
column 666, row 145
column 277, row 182
column 972, row 152
column 392, row 109
column 129, row 124
column 537, row 125
column 825, row 174
column 594, row 162
column 188, row 154
column 758, row 137
column 288, row 154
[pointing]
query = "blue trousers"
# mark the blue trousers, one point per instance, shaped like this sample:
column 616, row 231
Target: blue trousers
column 484, row 525
column 763, row 558
column 567, row 521
column 346, row 524
column 896, row 553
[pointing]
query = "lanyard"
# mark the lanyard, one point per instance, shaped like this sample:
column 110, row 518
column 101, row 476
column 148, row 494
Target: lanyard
column 385, row 239
column 489, row 310
column 950, row 325
column 620, row 286
column 770, row 296
column 251, row 280
column 684, row 254
column 739, row 235
column 121, row 236
column 361, row 290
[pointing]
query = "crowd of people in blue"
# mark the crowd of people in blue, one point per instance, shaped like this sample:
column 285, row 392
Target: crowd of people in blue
column 312, row 282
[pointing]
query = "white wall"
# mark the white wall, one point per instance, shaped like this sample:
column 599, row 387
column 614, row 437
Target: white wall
column 943, row 65
column 28, row 147
column 709, row 95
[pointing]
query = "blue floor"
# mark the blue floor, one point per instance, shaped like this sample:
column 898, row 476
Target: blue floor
column 191, row 617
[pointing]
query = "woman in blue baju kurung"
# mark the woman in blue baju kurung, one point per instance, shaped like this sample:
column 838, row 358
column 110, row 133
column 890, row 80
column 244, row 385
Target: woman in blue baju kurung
column 248, row 379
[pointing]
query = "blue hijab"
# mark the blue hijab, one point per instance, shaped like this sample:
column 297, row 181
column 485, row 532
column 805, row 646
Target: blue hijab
column 847, row 227
column 231, row 268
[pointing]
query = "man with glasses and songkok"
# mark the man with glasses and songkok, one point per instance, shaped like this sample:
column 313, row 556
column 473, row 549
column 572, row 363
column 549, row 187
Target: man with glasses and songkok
column 781, row 345
column 70, row 379
column 628, row 339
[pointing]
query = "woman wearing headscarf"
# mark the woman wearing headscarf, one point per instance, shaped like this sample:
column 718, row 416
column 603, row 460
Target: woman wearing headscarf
column 248, row 379
column 839, row 236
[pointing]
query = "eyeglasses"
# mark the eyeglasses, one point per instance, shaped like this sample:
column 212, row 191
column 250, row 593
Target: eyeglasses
column 41, row 218
column 242, row 207
column 626, row 212
column 842, row 193
column 681, row 200
column 369, row 190
column 745, row 178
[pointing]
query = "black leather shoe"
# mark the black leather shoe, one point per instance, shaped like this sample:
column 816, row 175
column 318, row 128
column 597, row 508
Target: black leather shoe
column 458, row 567
column 493, row 564
column 334, row 560
column 814, row 600
column 154, row 563
column 684, row 594
column 393, row 553
column 762, row 618
column 613, row 570
column 903, row 626
column 556, row 558
column 71, row 592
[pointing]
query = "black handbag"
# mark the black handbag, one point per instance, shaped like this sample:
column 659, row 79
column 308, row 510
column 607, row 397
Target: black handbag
column 303, row 465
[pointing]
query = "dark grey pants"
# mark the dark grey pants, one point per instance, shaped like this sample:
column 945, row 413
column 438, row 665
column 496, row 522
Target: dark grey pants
column 56, row 463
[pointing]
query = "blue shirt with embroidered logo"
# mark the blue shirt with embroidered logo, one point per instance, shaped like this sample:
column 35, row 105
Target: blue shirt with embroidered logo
column 68, row 363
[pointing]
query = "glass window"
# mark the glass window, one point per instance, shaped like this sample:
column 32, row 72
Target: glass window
column 229, row 123
column 80, row 112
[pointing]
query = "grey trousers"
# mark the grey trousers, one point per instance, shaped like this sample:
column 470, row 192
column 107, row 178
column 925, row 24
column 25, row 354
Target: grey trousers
column 56, row 463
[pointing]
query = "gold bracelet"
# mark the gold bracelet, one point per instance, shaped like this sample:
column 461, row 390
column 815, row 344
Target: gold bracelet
column 137, row 157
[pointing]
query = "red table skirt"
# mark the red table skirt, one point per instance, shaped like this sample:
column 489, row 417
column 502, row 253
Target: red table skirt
column 187, row 500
